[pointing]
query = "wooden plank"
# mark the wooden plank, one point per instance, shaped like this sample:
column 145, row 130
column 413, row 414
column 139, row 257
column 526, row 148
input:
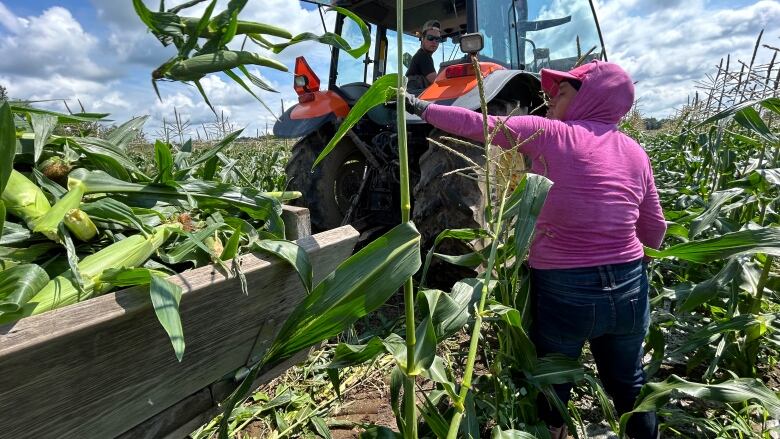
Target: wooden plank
column 297, row 222
column 101, row 367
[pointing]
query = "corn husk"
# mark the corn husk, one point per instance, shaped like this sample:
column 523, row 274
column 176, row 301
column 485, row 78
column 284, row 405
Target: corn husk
column 130, row 252
column 24, row 199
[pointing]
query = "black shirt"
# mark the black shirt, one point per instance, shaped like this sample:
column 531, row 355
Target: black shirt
column 422, row 65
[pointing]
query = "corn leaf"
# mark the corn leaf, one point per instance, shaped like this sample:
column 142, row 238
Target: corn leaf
column 751, row 120
column 771, row 104
column 201, row 27
column 293, row 254
column 7, row 144
column 164, row 161
column 61, row 117
column 526, row 202
column 764, row 240
column 166, row 297
column 424, row 349
column 333, row 39
column 188, row 249
column 109, row 210
column 106, row 156
column 706, row 218
column 231, row 247
column 18, row 284
column 122, row 135
column 26, row 254
column 43, row 125
column 707, row 290
column 358, row 286
column 655, row 395
column 556, row 369
column 710, row 333
column 346, row 355
column 207, row 194
column 45, row 183
column 377, row 94
column 437, row 373
column 230, row 138
column 73, row 260
column 433, row 418
column 129, row 277
column 2, row 218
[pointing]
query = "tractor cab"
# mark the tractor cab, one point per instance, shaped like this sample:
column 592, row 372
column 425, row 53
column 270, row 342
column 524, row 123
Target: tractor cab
column 525, row 35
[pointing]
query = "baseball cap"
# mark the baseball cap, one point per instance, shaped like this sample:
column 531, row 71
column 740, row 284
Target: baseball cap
column 551, row 78
column 431, row 24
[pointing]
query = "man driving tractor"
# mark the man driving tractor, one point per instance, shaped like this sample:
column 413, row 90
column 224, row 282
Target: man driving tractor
column 421, row 72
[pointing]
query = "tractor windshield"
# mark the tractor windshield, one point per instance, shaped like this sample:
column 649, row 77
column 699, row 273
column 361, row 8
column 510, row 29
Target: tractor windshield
column 534, row 34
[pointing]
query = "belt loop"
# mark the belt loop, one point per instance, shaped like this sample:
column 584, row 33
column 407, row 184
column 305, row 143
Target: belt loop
column 611, row 271
column 603, row 276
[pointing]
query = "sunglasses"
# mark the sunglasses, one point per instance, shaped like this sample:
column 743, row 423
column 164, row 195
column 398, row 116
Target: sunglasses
column 433, row 38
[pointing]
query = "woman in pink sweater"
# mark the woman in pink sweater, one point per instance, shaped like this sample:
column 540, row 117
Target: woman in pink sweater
column 589, row 280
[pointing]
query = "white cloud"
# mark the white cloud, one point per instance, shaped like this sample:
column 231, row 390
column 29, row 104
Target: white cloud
column 53, row 43
column 666, row 45
column 667, row 50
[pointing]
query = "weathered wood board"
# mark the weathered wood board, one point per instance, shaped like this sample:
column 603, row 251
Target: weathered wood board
column 105, row 367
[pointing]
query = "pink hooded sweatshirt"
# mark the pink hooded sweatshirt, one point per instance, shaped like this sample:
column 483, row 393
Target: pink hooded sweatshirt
column 603, row 205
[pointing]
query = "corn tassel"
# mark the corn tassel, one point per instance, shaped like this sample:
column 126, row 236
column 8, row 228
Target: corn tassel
column 80, row 224
column 24, row 199
column 128, row 253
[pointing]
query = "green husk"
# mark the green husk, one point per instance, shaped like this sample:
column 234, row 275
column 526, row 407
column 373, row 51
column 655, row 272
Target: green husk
column 49, row 222
column 128, row 253
column 23, row 199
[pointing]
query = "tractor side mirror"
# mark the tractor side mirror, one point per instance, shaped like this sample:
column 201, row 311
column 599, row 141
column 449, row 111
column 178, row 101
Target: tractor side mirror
column 471, row 43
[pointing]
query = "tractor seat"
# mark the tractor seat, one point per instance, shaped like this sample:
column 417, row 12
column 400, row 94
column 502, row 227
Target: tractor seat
column 352, row 92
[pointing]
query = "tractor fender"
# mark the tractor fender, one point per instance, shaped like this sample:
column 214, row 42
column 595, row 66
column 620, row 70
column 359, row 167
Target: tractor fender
column 513, row 84
column 306, row 117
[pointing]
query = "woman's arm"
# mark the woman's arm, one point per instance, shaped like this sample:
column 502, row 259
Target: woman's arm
column 651, row 224
column 466, row 123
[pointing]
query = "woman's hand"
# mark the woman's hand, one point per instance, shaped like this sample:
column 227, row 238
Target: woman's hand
column 414, row 104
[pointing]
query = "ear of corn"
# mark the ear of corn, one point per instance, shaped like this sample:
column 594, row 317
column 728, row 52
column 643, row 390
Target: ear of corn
column 128, row 253
column 198, row 66
column 48, row 223
column 80, row 224
column 22, row 198
column 243, row 27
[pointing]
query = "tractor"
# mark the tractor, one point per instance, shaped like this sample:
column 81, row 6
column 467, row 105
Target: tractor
column 357, row 183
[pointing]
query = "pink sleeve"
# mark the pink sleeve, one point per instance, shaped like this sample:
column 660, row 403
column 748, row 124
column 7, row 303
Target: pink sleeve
column 651, row 225
column 467, row 123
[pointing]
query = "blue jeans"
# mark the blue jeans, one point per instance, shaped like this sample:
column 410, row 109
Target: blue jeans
column 607, row 305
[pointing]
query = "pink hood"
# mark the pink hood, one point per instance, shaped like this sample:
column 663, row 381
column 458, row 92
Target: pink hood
column 606, row 94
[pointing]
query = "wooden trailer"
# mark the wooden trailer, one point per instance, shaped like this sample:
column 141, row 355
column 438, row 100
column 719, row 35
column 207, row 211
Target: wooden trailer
column 105, row 368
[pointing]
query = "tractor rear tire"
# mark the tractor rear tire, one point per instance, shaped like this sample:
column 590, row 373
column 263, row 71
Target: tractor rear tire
column 327, row 192
column 448, row 202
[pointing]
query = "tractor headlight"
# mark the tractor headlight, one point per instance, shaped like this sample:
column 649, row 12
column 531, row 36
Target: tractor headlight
column 471, row 43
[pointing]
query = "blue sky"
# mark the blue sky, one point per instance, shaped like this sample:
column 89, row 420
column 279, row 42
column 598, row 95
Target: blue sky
column 97, row 52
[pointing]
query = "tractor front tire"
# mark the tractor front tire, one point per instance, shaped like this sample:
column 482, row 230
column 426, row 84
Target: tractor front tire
column 327, row 191
column 451, row 201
